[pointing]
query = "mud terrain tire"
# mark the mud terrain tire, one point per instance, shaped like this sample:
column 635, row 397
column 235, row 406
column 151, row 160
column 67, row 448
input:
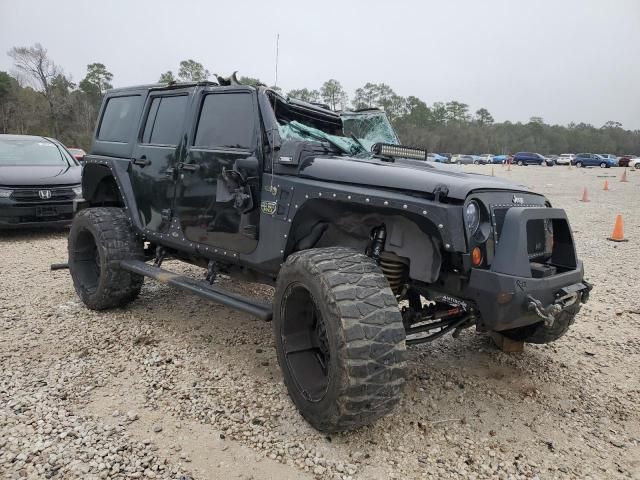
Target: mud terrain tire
column 539, row 333
column 98, row 240
column 339, row 338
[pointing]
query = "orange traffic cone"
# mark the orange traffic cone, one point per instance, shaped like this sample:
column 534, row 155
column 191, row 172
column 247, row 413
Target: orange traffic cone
column 624, row 176
column 606, row 185
column 585, row 195
column 618, row 230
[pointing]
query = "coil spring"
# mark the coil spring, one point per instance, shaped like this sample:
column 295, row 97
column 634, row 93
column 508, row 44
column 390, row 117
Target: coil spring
column 395, row 269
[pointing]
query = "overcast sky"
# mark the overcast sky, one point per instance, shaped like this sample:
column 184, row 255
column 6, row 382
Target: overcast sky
column 563, row 60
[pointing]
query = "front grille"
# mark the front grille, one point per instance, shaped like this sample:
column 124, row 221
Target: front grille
column 538, row 243
column 33, row 194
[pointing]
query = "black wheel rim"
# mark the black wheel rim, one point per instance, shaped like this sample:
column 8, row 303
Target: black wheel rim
column 305, row 343
column 86, row 261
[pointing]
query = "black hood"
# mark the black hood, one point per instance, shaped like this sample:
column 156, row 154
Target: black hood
column 416, row 176
column 39, row 175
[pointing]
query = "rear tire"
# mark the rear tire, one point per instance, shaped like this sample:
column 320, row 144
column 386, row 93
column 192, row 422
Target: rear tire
column 339, row 338
column 520, row 163
column 603, row 165
column 98, row 240
column 539, row 333
column 579, row 164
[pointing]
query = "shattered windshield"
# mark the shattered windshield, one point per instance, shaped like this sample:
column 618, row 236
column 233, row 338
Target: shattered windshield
column 369, row 127
column 361, row 130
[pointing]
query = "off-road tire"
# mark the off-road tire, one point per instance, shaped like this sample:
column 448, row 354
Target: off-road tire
column 539, row 333
column 366, row 368
column 103, row 284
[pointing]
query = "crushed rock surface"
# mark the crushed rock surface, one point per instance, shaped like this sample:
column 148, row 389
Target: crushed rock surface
column 173, row 387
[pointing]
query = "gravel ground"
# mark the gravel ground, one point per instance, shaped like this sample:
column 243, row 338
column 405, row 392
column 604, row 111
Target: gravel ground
column 174, row 387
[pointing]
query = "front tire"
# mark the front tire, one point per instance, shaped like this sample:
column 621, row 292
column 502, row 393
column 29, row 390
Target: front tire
column 520, row 163
column 603, row 165
column 539, row 333
column 339, row 338
column 98, row 240
column 579, row 164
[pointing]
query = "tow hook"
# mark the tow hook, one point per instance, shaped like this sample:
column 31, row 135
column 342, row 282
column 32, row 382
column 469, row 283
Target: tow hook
column 548, row 314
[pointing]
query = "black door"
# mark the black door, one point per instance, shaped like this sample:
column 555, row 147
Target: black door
column 156, row 155
column 216, row 196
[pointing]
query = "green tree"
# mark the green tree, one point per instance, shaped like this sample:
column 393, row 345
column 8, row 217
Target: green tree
column 333, row 94
column 366, row 96
column 484, row 117
column 305, row 95
column 457, row 111
column 250, row 81
column 192, row 71
column 167, row 77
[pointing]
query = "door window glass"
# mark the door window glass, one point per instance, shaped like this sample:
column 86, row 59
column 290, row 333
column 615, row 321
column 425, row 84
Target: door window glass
column 227, row 120
column 165, row 120
column 118, row 119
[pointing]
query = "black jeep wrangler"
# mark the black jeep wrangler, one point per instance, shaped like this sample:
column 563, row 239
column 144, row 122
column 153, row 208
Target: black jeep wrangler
column 370, row 247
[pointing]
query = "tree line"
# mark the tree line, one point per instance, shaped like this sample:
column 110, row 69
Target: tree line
column 39, row 98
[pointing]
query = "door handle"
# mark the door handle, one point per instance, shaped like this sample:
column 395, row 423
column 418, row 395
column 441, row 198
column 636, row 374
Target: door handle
column 142, row 161
column 191, row 167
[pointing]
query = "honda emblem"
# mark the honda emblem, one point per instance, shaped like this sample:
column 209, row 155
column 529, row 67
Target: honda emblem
column 44, row 194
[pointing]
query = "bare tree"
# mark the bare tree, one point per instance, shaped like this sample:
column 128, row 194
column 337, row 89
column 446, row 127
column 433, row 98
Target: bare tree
column 40, row 71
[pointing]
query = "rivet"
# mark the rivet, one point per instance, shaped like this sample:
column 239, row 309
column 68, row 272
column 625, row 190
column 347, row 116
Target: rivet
column 319, row 194
column 306, row 196
column 334, row 194
column 440, row 226
column 386, row 203
column 225, row 253
column 424, row 212
column 235, row 255
column 285, row 235
column 281, row 251
column 446, row 245
column 216, row 250
column 349, row 197
column 295, row 206
column 404, row 206
column 366, row 200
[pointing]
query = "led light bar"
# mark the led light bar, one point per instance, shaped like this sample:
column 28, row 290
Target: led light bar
column 400, row 151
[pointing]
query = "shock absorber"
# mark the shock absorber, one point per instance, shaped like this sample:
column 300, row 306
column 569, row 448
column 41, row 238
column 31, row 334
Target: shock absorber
column 396, row 269
column 378, row 237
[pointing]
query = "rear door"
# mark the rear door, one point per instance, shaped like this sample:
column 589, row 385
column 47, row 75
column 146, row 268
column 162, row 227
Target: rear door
column 158, row 151
column 218, row 186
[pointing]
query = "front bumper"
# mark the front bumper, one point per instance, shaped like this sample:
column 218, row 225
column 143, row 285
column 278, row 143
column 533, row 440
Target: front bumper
column 36, row 215
column 508, row 295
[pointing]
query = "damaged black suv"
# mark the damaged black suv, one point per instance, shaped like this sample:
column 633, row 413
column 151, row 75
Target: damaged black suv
column 370, row 247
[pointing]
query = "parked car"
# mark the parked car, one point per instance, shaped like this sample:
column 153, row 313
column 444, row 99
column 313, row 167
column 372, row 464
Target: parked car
column 502, row 159
column 610, row 156
column 435, row 157
column 592, row 160
column 479, row 160
column 529, row 158
column 447, row 156
column 39, row 182
column 77, row 153
column 463, row 159
column 488, row 157
column 565, row 159
column 634, row 163
column 624, row 160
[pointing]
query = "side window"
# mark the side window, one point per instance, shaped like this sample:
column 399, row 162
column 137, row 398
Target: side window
column 227, row 120
column 119, row 116
column 165, row 120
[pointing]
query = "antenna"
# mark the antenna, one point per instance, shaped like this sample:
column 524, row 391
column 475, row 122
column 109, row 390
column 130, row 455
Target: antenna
column 277, row 52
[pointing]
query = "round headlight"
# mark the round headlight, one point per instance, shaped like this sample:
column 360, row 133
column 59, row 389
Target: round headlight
column 472, row 217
